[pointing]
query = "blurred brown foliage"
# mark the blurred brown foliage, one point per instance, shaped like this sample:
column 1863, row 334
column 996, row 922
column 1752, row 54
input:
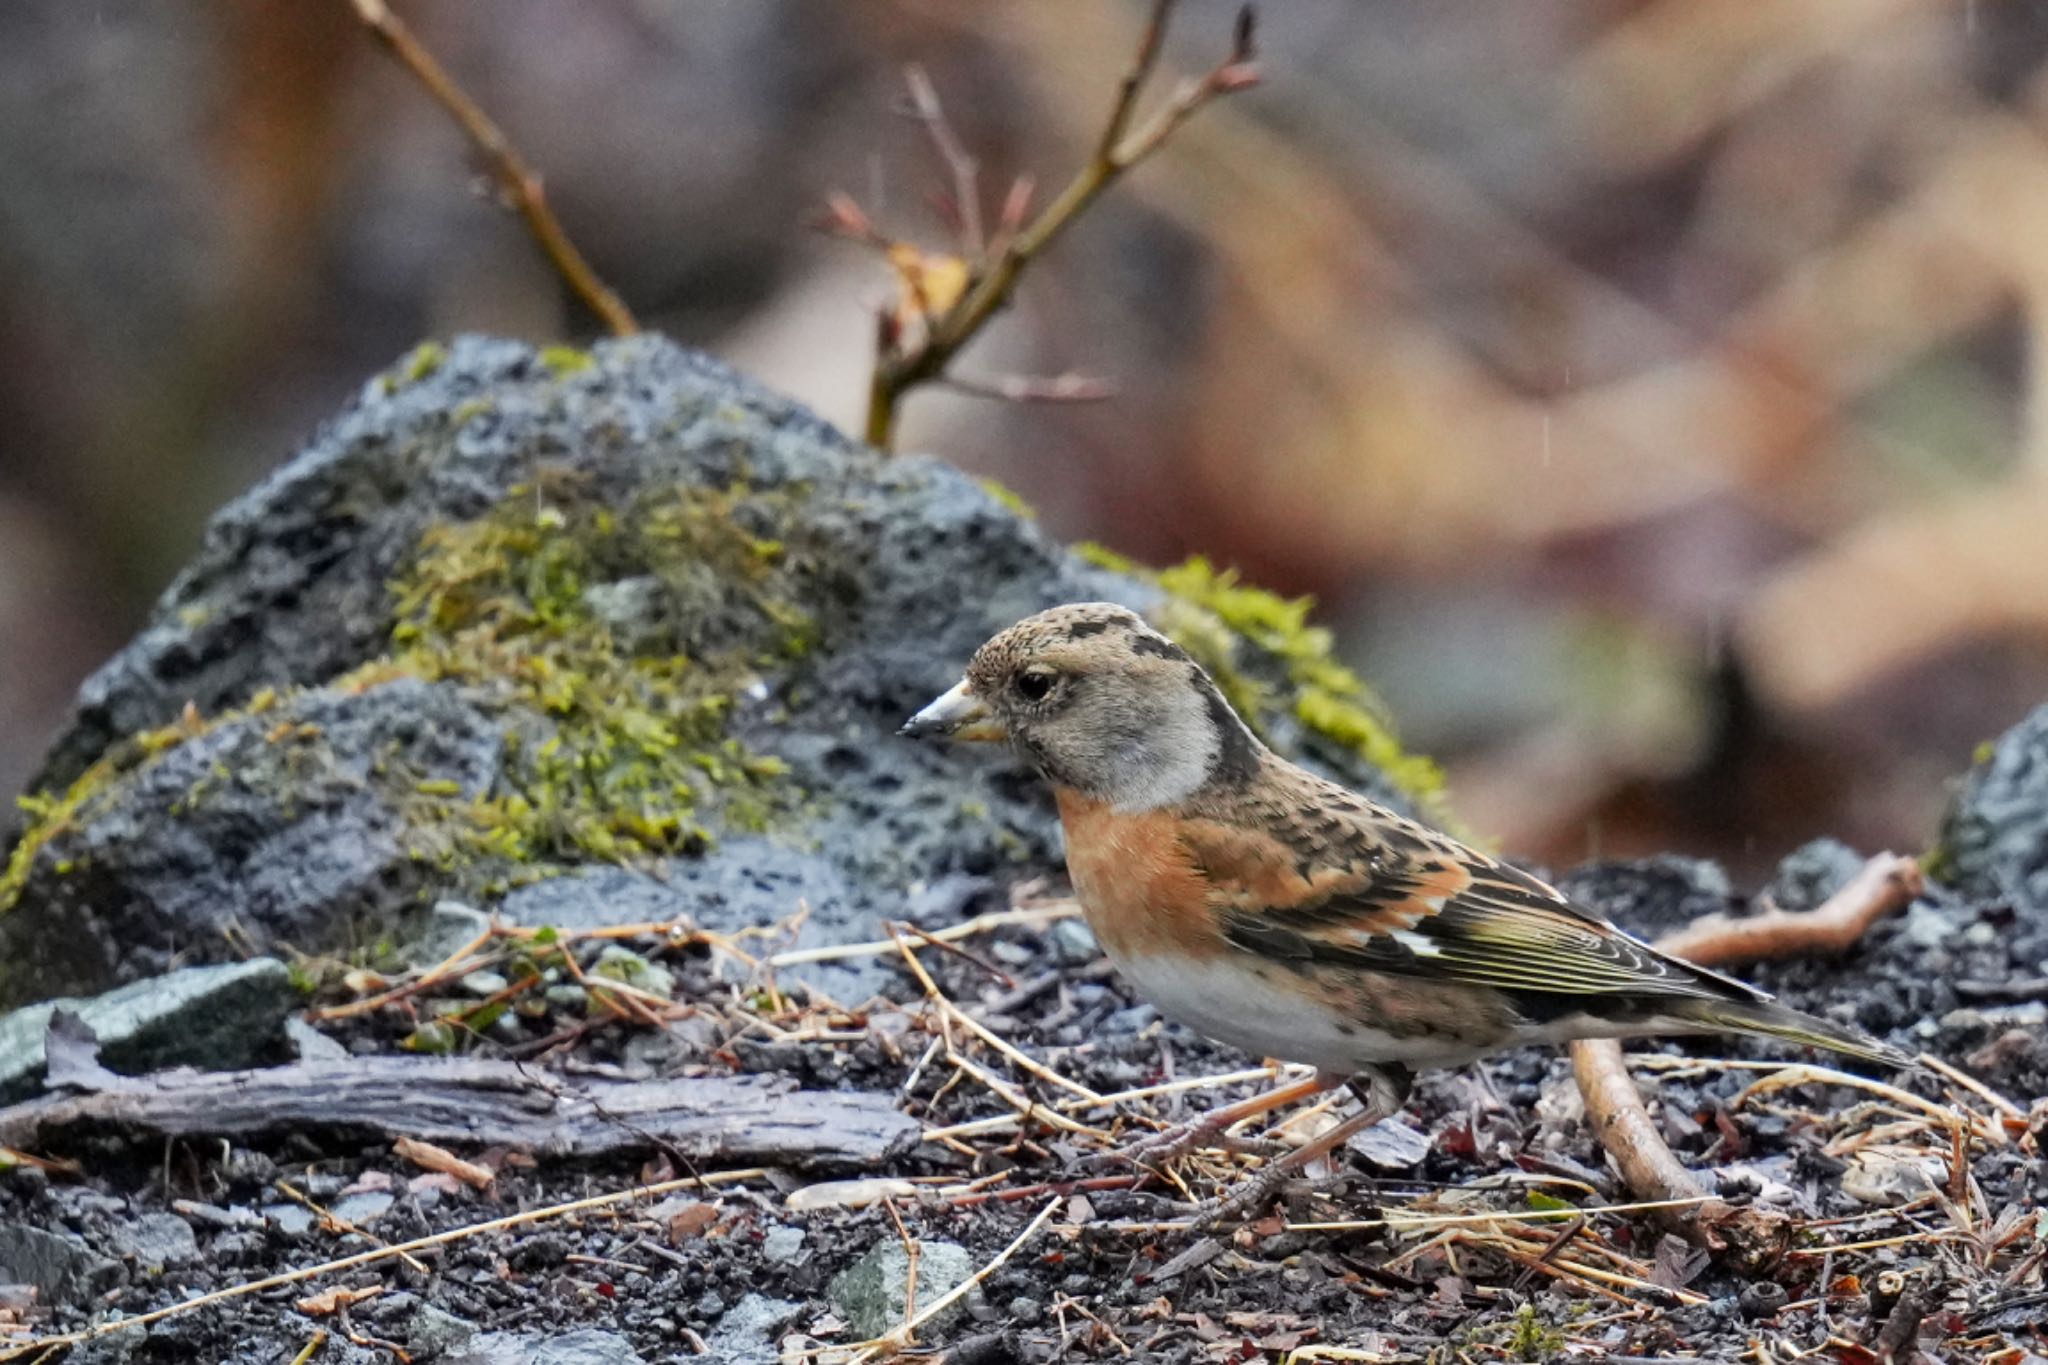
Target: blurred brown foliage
column 1644, row 386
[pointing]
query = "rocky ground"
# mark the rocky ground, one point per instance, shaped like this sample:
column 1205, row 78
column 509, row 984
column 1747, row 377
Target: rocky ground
column 388, row 649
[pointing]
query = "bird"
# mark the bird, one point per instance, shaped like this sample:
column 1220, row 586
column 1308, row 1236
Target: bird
column 1281, row 913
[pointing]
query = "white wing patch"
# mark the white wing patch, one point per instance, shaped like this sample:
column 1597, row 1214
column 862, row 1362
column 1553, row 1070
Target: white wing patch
column 1419, row 944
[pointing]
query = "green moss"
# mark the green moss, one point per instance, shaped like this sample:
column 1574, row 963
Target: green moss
column 423, row 360
column 1009, row 497
column 1102, row 557
column 1209, row 608
column 585, row 618
column 1531, row 1338
column 563, row 361
column 51, row 815
column 588, row 628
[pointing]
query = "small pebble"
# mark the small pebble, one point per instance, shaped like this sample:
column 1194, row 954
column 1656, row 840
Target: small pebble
column 1762, row 1298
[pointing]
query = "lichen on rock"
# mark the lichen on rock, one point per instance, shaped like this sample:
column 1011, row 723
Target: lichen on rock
column 561, row 631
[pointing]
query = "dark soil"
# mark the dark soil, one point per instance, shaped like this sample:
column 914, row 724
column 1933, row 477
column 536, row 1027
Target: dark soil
column 666, row 1276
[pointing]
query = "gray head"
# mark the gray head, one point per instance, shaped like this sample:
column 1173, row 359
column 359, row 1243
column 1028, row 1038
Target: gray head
column 1102, row 704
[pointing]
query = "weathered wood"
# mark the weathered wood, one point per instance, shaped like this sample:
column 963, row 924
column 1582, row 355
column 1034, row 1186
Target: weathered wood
column 754, row 1120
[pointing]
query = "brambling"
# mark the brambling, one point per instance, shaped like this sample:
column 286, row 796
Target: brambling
column 1280, row 913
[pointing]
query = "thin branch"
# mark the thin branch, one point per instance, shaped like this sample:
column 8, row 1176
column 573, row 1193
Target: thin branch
column 1025, row 388
column 901, row 366
column 1882, row 885
column 1134, row 78
column 1615, row 1107
column 960, row 166
column 518, row 180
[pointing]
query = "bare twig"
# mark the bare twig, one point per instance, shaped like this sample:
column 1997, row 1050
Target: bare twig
column 1616, row 1108
column 1885, row 883
column 516, row 178
column 960, row 166
column 1024, row 388
column 907, row 357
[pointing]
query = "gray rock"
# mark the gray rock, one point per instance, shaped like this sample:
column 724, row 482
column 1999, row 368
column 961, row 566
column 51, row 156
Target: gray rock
column 290, row 1219
column 1812, row 872
column 784, row 1246
column 1994, row 841
column 433, row 1334
column 1074, row 942
column 1929, row 926
column 450, row 926
column 749, row 1332
column 218, row 1017
column 61, row 1267
column 154, row 1241
column 363, row 1209
column 309, row 1044
column 870, row 1293
column 796, row 595
column 588, row 1347
column 1391, row 1145
column 117, row 1347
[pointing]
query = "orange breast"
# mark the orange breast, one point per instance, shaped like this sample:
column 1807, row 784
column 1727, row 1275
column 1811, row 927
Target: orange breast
column 1142, row 893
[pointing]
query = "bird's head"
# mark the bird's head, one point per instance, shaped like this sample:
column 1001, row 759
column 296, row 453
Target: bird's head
column 1102, row 704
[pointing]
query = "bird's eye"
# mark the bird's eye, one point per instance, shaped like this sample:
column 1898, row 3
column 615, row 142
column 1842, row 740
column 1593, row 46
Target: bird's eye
column 1034, row 684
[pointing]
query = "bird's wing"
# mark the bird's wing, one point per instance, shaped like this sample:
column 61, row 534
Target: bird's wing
column 1344, row 883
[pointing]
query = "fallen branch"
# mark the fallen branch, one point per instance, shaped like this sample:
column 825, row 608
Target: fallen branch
column 516, row 179
column 753, row 1119
column 1752, row 1236
column 1882, row 885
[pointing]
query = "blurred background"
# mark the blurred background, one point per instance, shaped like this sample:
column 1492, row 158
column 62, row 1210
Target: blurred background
column 1645, row 388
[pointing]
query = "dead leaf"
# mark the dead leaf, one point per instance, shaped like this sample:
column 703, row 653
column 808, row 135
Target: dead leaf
column 429, row 1157
column 332, row 1301
column 848, row 1194
column 690, row 1221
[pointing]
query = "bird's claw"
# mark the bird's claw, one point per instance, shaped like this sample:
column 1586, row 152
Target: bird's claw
column 1253, row 1197
column 1170, row 1144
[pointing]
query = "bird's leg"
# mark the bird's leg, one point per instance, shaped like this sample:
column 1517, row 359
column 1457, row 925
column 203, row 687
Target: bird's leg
column 1212, row 1128
column 1380, row 1090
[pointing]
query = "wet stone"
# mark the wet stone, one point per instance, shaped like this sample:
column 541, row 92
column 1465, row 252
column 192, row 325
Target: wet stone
column 747, row 1335
column 871, row 1293
column 154, row 1241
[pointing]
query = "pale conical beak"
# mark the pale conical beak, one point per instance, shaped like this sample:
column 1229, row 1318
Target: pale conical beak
column 958, row 715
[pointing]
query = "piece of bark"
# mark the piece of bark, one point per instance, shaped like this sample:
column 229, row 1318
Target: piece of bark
column 751, row 1120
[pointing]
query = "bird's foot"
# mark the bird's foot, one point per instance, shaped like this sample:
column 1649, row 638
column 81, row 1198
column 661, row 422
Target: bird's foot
column 1170, row 1144
column 1252, row 1198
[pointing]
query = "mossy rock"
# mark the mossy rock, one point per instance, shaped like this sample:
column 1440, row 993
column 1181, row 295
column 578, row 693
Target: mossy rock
column 571, row 632
column 1994, row 838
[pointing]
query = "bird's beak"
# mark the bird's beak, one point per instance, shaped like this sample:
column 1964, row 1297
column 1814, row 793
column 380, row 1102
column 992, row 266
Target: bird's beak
column 958, row 715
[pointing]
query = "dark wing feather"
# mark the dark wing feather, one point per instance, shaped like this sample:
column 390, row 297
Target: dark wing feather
column 1366, row 888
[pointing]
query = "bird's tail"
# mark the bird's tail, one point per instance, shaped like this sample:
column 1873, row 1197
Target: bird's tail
column 1773, row 1020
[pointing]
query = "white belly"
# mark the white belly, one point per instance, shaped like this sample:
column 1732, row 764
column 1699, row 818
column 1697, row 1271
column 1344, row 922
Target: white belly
column 1256, row 1009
